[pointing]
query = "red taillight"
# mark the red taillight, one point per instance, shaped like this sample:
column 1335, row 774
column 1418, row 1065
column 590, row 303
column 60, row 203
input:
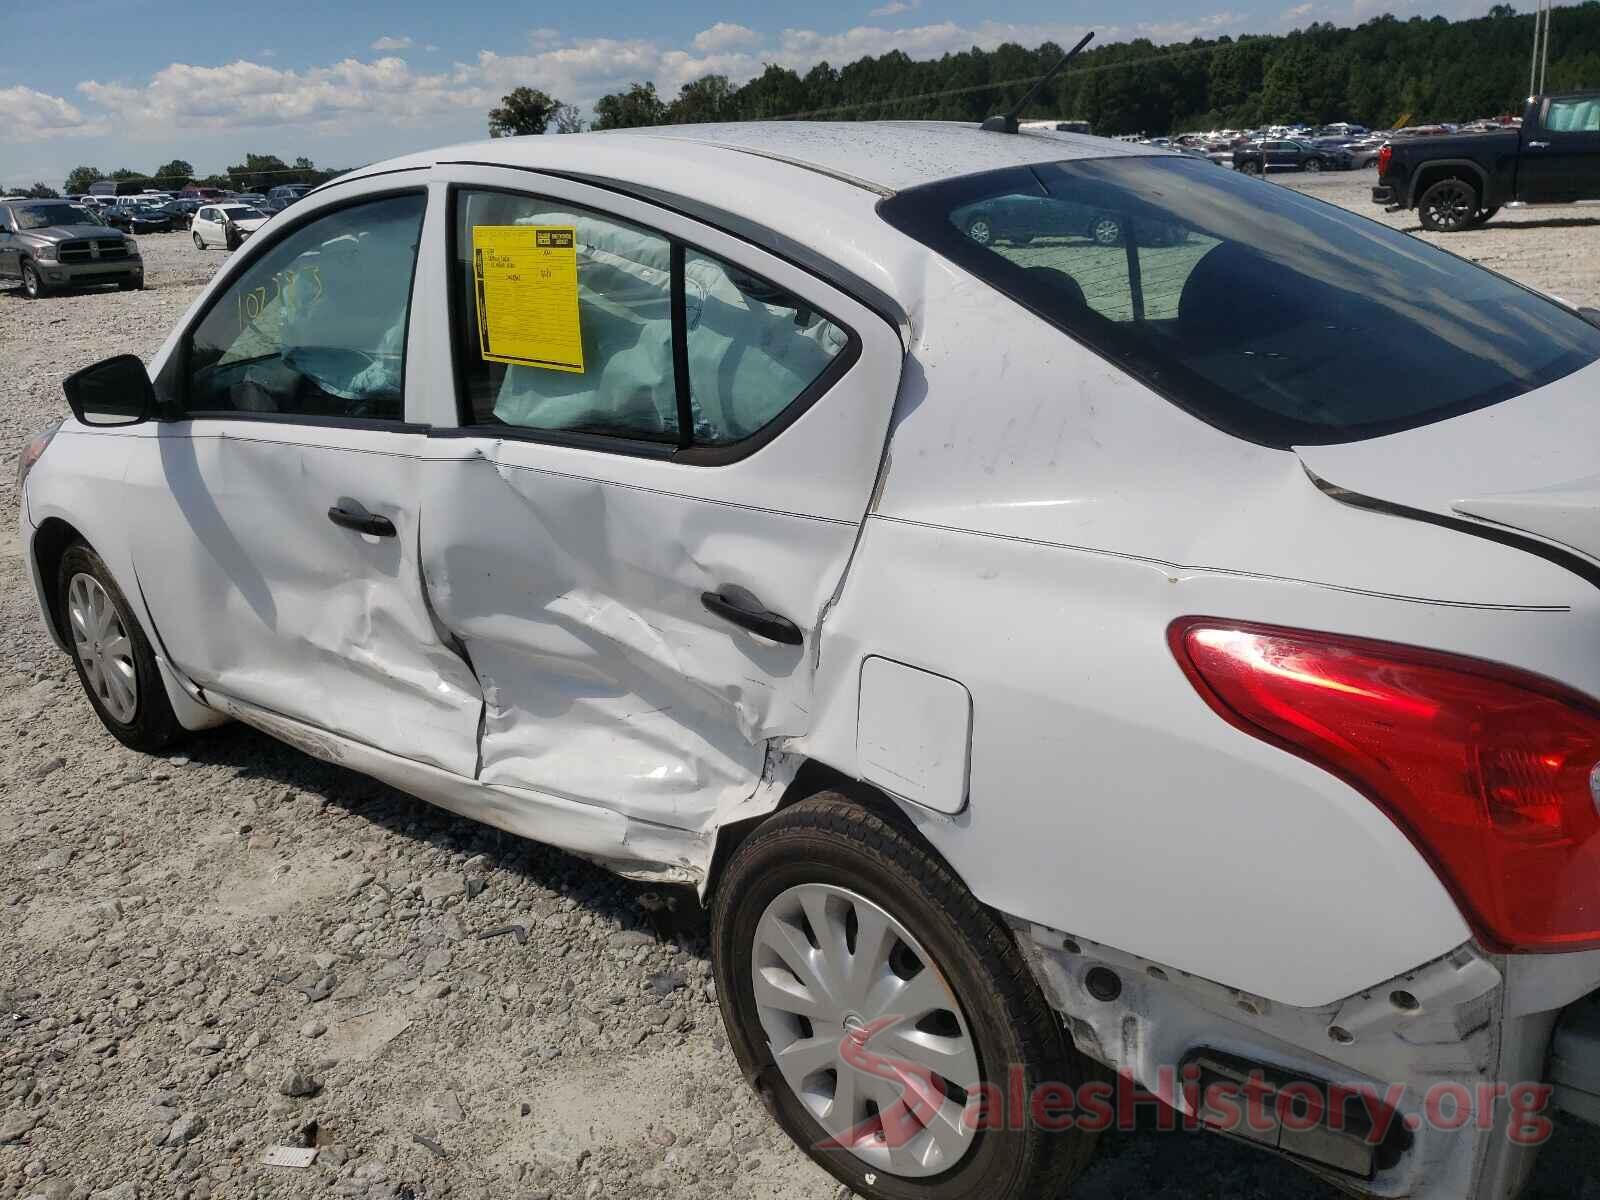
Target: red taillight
column 1385, row 153
column 1490, row 771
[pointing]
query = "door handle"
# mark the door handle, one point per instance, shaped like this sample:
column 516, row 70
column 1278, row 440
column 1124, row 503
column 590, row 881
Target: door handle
column 757, row 620
column 361, row 522
column 1538, row 145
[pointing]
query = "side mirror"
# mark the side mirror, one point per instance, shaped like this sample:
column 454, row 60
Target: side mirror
column 116, row 391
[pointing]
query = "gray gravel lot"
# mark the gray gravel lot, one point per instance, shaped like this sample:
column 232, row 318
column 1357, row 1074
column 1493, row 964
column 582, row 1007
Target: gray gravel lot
column 237, row 946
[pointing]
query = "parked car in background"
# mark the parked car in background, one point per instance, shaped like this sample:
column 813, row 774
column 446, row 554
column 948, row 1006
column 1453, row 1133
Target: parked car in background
column 51, row 244
column 281, row 197
column 181, row 211
column 1459, row 181
column 1287, row 154
column 141, row 217
column 1017, row 220
column 1051, row 663
column 228, row 224
column 196, row 192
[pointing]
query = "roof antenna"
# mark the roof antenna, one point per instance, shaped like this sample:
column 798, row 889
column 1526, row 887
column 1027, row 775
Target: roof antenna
column 1007, row 122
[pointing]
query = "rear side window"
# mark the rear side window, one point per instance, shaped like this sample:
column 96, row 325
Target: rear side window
column 573, row 322
column 1271, row 315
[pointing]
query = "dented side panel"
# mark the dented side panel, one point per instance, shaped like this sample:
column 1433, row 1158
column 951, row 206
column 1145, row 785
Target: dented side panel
column 605, row 678
column 256, row 593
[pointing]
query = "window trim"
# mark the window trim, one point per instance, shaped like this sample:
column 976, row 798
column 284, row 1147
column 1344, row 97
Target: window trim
column 685, row 451
column 178, row 403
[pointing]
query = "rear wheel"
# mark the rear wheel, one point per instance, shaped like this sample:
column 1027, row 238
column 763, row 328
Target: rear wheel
column 879, row 1009
column 199, row 242
column 115, row 663
column 1448, row 206
column 1312, row 165
column 981, row 230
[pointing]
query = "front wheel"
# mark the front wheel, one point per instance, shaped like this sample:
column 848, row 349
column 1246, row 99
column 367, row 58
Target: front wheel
column 885, row 1015
column 32, row 285
column 1250, row 168
column 199, row 242
column 981, row 230
column 1311, row 165
column 115, row 663
column 1448, row 206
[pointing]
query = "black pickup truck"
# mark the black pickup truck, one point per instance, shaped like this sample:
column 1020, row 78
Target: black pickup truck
column 1459, row 181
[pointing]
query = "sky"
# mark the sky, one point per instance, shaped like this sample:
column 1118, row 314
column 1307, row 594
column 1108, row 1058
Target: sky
column 136, row 83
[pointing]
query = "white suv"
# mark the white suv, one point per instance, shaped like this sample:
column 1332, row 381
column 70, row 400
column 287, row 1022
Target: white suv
column 1045, row 653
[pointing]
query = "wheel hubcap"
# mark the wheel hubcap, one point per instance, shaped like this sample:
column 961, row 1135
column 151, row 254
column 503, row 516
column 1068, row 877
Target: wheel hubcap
column 865, row 1030
column 980, row 232
column 1107, row 231
column 1453, row 207
column 103, row 647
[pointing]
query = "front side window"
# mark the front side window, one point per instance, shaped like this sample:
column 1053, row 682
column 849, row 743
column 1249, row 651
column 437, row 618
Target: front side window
column 316, row 326
column 1241, row 303
column 568, row 321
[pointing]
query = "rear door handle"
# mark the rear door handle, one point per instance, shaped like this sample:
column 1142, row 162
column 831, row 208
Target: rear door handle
column 361, row 522
column 757, row 620
column 1538, row 145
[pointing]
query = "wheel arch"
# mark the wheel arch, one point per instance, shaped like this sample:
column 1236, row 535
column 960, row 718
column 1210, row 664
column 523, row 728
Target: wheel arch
column 813, row 776
column 1437, row 170
column 50, row 542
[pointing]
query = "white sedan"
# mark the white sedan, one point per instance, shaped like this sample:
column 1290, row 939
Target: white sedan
column 1040, row 651
column 225, row 225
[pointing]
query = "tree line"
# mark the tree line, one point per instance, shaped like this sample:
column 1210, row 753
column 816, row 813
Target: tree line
column 256, row 173
column 1377, row 74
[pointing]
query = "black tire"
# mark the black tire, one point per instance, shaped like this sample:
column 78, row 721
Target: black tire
column 981, row 229
column 1312, row 165
column 130, row 285
column 33, row 287
column 1448, row 206
column 1483, row 216
column 829, row 839
column 199, row 242
column 152, row 725
column 1250, row 167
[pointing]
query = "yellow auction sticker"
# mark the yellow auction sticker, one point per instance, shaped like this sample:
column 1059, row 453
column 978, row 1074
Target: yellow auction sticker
column 527, row 281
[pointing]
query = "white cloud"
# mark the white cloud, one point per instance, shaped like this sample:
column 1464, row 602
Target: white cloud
column 27, row 115
column 392, row 43
column 430, row 48
column 352, row 96
column 1298, row 13
column 724, row 35
column 895, row 7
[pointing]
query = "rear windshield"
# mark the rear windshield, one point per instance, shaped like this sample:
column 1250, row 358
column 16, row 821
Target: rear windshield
column 1268, row 314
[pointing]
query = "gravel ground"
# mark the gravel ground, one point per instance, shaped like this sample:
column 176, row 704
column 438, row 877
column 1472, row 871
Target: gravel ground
column 239, row 947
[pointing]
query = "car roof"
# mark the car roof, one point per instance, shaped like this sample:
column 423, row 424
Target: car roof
column 789, row 186
column 880, row 156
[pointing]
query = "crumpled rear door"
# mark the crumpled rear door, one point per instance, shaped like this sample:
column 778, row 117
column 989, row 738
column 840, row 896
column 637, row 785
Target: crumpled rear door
column 575, row 576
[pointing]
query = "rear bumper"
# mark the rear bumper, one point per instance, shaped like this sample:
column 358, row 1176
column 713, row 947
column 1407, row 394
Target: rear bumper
column 1444, row 1075
column 1575, row 1060
column 1382, row 194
